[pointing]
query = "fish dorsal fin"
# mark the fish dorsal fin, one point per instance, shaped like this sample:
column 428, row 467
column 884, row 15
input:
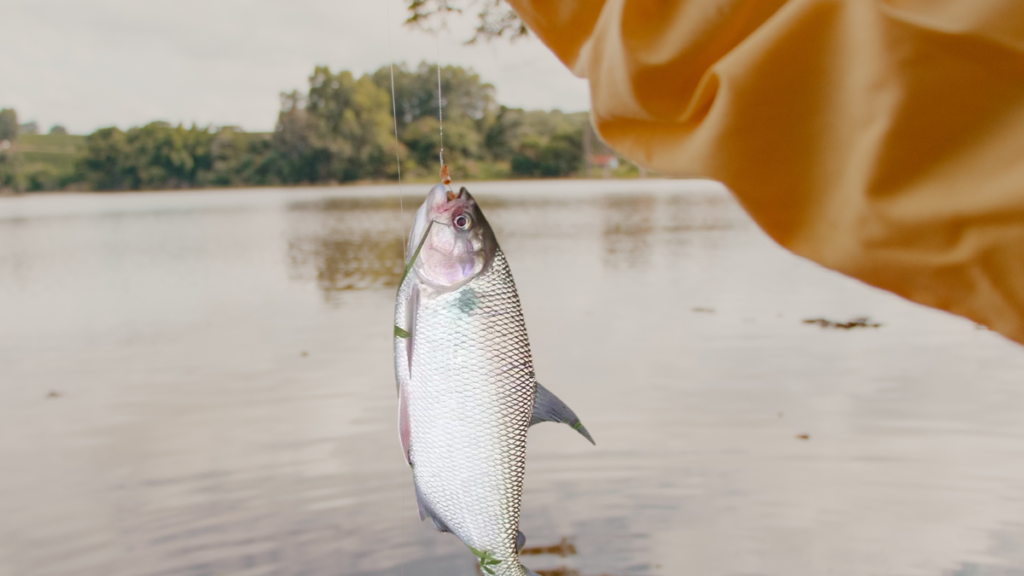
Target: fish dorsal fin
column 548, row 408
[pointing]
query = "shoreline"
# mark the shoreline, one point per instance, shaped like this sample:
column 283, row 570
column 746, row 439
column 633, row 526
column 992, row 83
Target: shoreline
column 8, row 193
column 556, row 191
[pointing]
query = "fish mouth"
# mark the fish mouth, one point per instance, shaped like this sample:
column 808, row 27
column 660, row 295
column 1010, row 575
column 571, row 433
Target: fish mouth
column 452, row 195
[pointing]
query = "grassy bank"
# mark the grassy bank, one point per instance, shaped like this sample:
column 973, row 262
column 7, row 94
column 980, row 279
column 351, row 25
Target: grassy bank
column 53, row 162
column 37, row 162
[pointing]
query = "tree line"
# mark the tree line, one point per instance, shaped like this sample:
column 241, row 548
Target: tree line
column 340, row 130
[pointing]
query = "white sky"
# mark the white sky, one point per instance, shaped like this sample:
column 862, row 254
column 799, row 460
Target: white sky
column 93, row 63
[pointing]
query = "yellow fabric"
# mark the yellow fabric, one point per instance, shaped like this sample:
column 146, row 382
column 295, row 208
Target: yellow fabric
column 883, row 139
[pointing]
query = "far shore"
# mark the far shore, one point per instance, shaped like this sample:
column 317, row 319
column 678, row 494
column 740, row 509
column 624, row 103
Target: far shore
column 8, row 193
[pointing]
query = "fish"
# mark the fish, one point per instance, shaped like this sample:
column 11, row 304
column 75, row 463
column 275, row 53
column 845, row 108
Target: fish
column 467, row 393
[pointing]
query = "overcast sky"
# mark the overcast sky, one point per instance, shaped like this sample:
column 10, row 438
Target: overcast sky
column 86, row 64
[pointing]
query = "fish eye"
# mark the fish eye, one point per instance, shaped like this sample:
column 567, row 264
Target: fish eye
column 463, row 221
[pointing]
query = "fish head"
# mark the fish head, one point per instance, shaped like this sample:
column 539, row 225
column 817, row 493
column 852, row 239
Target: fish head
column 459, row 243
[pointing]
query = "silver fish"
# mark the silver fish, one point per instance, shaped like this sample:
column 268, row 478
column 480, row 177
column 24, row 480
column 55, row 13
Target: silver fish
column 466, row 387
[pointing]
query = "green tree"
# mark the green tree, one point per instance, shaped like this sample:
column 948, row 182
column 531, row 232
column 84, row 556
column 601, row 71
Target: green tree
column 163, row 156
column 340, row 131
column 464, row 94
column 461, row 144
column 499, row 140
column 525, row 158
column 8, row 124
column 237, row 159
column 103, row 165
column 562, row 155
column 150, row 157
column 495, row 18
column 296, row 154
column 538, row 143
column 469, row 107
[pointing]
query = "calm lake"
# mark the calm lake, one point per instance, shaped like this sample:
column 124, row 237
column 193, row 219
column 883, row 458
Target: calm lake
column 200, row 383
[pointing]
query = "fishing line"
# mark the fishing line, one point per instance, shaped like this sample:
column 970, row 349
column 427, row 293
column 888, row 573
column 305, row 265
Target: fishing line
column 394, row 116
column 398, row 162
column 440, row 121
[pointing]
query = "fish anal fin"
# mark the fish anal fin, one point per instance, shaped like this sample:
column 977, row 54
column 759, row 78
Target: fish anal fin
column 548, row 408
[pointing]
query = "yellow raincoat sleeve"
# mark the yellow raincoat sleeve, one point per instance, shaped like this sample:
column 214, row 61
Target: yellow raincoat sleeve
column 883, row 139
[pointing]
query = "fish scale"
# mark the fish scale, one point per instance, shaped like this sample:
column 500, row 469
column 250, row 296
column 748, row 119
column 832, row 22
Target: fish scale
column 468, row 442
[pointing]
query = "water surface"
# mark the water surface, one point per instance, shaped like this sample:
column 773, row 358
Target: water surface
column 200, row 383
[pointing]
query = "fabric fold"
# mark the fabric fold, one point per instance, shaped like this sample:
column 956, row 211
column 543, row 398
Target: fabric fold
column 882, row 139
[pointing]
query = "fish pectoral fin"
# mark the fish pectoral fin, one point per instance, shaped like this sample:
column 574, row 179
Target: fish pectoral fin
column 520, row 541
column 548, row 408
column 411, row 309
column 427, row 512
column 404, row 432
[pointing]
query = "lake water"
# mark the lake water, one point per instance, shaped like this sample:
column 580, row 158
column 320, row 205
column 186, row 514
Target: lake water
column 200, row 383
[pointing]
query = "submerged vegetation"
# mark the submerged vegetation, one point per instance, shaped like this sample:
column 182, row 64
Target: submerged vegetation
column 339, row 130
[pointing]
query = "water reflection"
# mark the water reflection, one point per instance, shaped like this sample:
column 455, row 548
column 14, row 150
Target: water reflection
column 628, row 225
column 346, row 243
column 564, row 571
column 634, row 226
column 564, row 547
column 347, row 263
column 700, row 212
